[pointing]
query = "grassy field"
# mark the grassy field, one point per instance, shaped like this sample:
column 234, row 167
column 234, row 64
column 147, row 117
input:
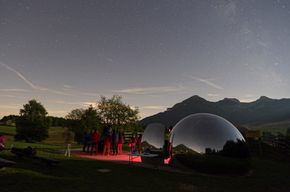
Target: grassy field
column 270, row 173
column 274, row 127
column 55, row 136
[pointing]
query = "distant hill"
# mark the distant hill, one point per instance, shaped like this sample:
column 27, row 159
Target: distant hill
column 262, row 110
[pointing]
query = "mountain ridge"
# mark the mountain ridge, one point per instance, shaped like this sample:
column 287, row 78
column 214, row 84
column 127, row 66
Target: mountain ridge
column 264, row 109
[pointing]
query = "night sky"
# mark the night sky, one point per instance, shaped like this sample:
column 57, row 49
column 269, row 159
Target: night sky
column 68, row 53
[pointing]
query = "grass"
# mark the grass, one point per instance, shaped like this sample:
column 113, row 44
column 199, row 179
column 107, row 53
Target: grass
column 55, row 138
column 270, row 173
column 7, row 129
column 81, row 174
column 274, row 127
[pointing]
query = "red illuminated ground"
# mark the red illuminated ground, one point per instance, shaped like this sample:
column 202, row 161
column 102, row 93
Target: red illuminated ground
column 124, row 159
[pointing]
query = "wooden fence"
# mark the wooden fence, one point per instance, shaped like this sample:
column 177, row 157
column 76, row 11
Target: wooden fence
column 278, row 142
column 128, row 135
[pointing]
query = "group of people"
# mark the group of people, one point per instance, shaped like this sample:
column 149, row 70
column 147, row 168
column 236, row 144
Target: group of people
column 91, row 139
column 116, row 140
column 134, row 141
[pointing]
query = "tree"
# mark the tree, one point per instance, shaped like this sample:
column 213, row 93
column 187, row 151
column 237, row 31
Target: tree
column 116, row 113
column 9, row 122
column 287, row 134
column 33, row 123
column 81, row 121
column 111, row 112
column 75, row 114
column 74, row 123
column 267, row 134
column 90, row 119
column 279, row 134
column 288, row 131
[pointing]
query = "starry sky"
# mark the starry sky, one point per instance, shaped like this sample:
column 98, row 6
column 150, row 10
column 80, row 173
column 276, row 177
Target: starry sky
column 68, row 53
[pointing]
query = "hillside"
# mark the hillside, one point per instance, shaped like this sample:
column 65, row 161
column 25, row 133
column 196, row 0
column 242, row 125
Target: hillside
column 262, row 110
column 273, row 127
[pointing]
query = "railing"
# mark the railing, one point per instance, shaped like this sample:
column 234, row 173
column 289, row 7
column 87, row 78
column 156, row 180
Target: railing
column 128, row 135
column 283, row 143
column 279, row 142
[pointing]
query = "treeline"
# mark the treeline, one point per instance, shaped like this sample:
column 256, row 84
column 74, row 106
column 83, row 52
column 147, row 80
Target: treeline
column 33, row 122
column 269, row 135
column 10, row 120
column 58, row 121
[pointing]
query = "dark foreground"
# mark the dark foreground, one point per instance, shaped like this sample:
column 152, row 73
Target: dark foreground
column 77, row 173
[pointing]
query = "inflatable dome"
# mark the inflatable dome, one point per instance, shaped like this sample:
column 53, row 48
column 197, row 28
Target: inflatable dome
column 207, row 143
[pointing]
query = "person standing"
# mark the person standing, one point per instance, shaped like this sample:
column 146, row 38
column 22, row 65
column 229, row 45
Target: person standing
column 107, row 144
column 120, row 143
column 133, row 142
column 115, row 142
column 95, row 139
column 86, row 138
column 139, row 143
column 2, row 140
column 69, row 136
column 90, row 141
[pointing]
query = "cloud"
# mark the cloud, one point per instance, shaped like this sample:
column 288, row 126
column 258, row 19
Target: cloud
column 90, row 94
column 247, row 100
column 8, row 90
column 84, row 104
column 37, row 88
column 13, row 96
column 207, row 82
column 57, row 112
column 87, row 104
column 213, row 95
column 69, row 103
column 67, row 86
column 111, row 60
column 18, row 74
column 150, row 90
column 155, row 107
column 53, row 91
column 9, row 107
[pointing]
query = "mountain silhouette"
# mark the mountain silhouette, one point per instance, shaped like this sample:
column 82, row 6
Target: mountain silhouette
column 263, row 109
